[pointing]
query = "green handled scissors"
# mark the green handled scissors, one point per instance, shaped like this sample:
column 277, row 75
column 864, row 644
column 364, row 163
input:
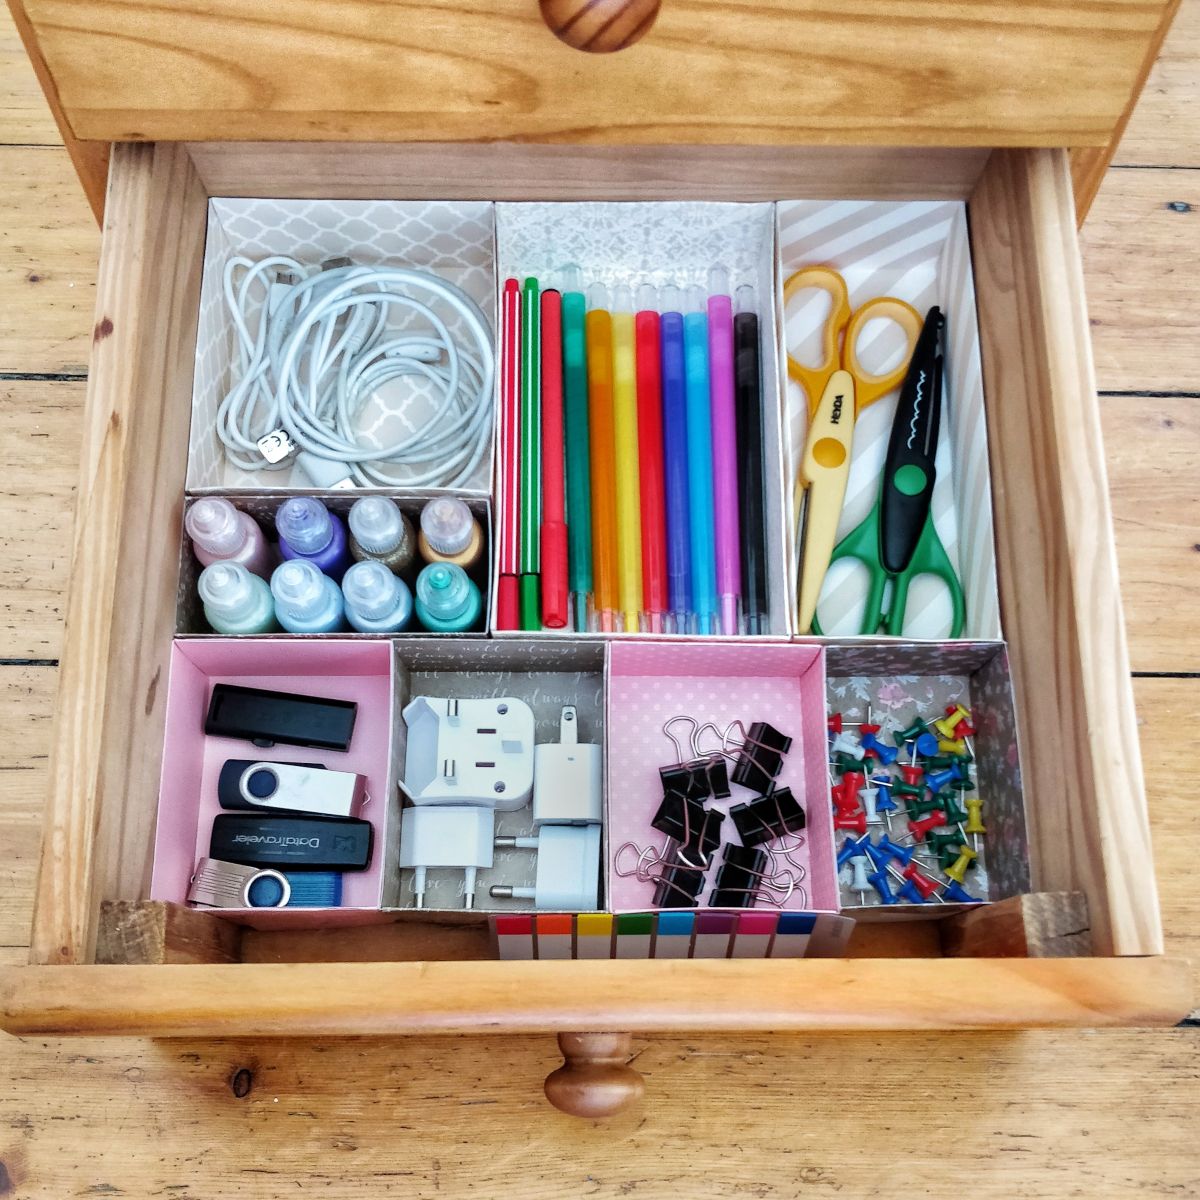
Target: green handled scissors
column 897, row 541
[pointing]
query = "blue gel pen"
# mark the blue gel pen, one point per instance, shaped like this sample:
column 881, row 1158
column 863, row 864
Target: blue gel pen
column 700, row 462
column 675, row 455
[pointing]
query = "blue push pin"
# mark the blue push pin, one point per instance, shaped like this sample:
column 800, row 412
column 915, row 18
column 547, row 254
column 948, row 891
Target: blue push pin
column 851, row 847
column 883, row 784
column 909, row 893
column 879, row 881
column 926, row 745
column 902, row 854
column 877, row 854
column 938, row 779
column 956, row 894
column 885, row 754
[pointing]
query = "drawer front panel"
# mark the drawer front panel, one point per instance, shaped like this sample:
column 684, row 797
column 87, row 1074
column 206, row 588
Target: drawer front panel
column 1042, row 72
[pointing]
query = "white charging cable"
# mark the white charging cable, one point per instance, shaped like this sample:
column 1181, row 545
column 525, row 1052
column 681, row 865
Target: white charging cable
column 323, row 344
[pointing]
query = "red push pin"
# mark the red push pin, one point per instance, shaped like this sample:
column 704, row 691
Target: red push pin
column 925, row 825
column 852, row 783
column 835, row 723
column 858, row 823
column 841, row 802
column 964, row 729
column 912, row 773
column 922, row 883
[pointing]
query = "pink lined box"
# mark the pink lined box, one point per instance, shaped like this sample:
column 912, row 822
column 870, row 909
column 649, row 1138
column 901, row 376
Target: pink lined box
column 719, row 681
column 362, row 671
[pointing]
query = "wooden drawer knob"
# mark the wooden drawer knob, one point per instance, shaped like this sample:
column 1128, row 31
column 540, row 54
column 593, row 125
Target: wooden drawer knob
column 596, row 1079
column 599, row 26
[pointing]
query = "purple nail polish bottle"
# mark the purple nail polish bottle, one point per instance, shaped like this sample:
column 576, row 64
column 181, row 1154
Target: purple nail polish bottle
column 307, row 529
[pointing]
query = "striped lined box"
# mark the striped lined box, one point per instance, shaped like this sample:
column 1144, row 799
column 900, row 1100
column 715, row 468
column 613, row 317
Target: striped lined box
column 554, row 935
column 674, row 935
column 593, row 935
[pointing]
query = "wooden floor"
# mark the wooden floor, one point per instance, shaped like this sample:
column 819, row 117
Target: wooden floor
column 1035, row 1115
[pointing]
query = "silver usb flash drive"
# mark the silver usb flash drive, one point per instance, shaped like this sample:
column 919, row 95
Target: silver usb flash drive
column 218, row 884
column 289, row 787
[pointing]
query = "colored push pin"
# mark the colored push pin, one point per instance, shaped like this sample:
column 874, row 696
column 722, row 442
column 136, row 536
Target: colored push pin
column 926, row 886
column 879, row 881
column 946, row 726
column 917, row 806
column 873, row 746
column 964, row 730
column 974, row 806
column 958, row 870
column 926, row 746
column 912, row 773
column 857, row 822
column 847, row 762
column 902, row 854
column 952, row 745
column 850, row 848
column 909, row 893
column 944, row 847
column 954, row 814
column 924, row 825
column 959, row 895
column 937, row 780
column 834, row 723
column 883, row 784
column 858, row 878
column 845, row 743
column 903, row 736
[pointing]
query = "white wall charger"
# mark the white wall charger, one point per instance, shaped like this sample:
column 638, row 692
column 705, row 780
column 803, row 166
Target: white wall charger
column 434, row 837
column 568, row 868
column 567, row 778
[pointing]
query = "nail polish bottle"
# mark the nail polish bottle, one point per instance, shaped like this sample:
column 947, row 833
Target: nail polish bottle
column 376, row 600
column 380, row 531
column 307, row 529
column 447, row 601
column 449, row 533
column 222, row 533
column 305, row 600
column 235, row 601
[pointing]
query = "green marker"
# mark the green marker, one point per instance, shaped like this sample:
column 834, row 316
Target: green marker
column 575, row 420
column 531, row 455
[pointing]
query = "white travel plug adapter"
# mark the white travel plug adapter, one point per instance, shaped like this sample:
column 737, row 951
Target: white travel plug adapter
column 435, row 837
column 566, row 777
column 568, row 868
column 476, row 752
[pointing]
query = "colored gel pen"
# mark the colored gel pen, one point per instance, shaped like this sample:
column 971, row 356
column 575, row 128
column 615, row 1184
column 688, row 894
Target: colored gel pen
column 751, row 507
column 554, row 516
column 655, row 598
column 724, row 451
column 625, row 435
column 531, row 454
column 578, row 452
column 700, row 462
column 508, row 602
column 603, row 445
column 675, row 462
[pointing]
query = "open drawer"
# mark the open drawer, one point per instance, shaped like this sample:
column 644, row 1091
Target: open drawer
column 1083, row 949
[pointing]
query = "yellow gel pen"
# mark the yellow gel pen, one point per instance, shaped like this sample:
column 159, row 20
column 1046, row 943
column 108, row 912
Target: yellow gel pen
column 599, row 325
column 625, row 433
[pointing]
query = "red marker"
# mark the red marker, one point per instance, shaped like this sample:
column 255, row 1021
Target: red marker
column 555, row 599
column 509, row 489
column 655, row 598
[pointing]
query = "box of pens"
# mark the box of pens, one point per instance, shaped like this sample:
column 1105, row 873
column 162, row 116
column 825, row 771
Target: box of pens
column 885, row 432
column 639, row 485
column 924, row 777
column 343, row 562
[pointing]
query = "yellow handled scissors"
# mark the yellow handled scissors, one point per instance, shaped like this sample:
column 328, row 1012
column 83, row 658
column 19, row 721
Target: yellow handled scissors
column 838, row 389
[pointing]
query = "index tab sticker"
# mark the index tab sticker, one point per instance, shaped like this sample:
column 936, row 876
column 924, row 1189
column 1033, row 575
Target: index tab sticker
column 514, row 937
column 792, row 935
column 593, row 935
column 674, row 938
column 754, row 933
column 554, row 935
column 633, row 935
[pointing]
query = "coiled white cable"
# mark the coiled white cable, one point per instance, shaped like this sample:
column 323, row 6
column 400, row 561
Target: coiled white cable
column 324, row 344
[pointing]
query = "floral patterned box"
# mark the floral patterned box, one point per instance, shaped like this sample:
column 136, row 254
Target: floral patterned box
column 902, row 682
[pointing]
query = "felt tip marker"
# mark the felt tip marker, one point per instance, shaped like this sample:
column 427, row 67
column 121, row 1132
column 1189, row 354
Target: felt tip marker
column 625, row 434
column 751, row 505
column 531, row 455
column 655, row 593
column 724, row 451
column 675, row 461
column 603, row 445
column 578, row 447
column 700, row 462
column 508, row 605
column 554, row 513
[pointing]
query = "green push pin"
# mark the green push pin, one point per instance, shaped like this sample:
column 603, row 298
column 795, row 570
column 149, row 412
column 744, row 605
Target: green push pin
column 910, row 734
column 847, row 762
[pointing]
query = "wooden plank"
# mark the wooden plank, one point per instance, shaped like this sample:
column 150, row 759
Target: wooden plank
column 39, row 462
column 522, row 171
column 121, row 604
column 24, row 115
column 1041, row 925
column 990, row 74
column 1088, row 165
column 303, row 999
column 26, row 703
column 1139, row 253
column 1152, row 446
column 1056, row 559
column 1040, row 1116
column 1165, row 127
column 48, row 246
column 90, row 159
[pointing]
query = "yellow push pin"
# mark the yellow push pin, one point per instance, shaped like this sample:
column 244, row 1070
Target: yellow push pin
column 974, row 823
column 952, row 745
column 946, row 725
column 958, row 869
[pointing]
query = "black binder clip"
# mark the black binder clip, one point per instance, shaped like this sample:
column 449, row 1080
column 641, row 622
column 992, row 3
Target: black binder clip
column 694, row 829
column 693, row 775
column 739, row 878
column 768, row 818
column 760, row 756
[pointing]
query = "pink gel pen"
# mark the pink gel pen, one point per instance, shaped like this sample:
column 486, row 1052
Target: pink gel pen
column 724, row 450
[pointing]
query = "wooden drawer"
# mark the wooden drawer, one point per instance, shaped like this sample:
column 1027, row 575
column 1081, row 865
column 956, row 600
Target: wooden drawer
column 1024, row 962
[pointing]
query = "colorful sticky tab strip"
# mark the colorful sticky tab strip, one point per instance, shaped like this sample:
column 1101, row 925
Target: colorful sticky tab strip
column 554, row 935
column 674, row 938
column 634, row 931
column 593, row 935
column 754, row 933
column 713, row 932
column 792, row 935
column 514, row 936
